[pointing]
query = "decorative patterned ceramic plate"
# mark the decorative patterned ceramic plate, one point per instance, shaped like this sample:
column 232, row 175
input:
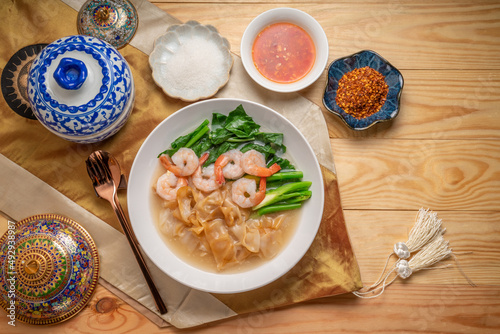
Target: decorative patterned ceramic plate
column 114, row 21
column 15, row 80
column 393, row 78
column 49, row 269
column 191, row 61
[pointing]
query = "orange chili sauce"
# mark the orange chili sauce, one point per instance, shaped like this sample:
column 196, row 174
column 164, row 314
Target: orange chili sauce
column 283, row 52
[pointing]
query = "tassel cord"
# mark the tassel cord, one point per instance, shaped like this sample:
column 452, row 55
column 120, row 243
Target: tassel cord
column 381, row 277
column 364, row 294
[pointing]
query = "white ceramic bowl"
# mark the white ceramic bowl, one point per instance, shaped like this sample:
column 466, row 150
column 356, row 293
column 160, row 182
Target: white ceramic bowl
column 143, row 221
column 191, row 61
column 289, row 15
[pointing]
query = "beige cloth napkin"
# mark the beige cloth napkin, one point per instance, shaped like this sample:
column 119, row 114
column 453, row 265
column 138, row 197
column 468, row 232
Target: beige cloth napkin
column 187, row 307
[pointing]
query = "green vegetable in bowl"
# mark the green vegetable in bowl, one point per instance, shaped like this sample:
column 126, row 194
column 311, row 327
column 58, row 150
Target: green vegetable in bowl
column 188, row 140
column 237, row 130
column 283, row 196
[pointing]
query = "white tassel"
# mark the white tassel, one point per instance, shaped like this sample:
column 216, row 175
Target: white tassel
column 432, row 253
column 426, row 236
column 435, row 251
column 427, row 227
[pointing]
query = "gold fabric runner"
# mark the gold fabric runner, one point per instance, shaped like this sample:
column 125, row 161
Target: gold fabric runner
column 328, row 268
column 54, row 160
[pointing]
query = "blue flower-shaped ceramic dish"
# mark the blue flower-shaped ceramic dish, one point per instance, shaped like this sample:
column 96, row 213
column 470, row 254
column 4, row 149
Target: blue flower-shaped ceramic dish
column 393, row 78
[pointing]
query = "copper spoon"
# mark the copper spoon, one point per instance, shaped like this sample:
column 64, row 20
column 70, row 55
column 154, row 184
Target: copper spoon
column 104, row 171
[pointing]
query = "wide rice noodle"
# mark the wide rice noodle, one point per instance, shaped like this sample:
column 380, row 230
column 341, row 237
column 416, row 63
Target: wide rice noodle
column 211, row 224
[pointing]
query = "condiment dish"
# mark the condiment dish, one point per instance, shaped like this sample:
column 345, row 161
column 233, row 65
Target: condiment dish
column 393, row 79
column 295, row 17
column 191, row 61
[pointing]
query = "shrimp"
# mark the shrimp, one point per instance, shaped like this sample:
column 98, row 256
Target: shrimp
column 184, row 162
column 204, row 179
column 254, row 163
column 244, row 192
column 228, row 165
column 168, row 184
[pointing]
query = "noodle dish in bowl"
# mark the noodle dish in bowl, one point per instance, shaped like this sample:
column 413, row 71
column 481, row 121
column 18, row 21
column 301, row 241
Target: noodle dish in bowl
column 225, row 195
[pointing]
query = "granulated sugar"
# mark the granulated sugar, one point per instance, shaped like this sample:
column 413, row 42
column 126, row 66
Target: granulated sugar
column 196, row 68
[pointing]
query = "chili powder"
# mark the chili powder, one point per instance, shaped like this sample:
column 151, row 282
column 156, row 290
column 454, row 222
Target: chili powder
column 362, row 92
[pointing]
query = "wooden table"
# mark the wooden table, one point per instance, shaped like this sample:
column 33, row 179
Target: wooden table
column 442, row 152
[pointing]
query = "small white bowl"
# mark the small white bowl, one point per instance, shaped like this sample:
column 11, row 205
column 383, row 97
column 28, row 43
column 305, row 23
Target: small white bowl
column 299, row 18
column 191, row 61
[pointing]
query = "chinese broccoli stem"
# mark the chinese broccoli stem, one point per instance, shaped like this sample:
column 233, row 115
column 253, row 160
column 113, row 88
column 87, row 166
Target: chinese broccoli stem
column 297, row 197
column 278, row 207
column 187, row 140
column 276, row 184
column 240, row 140
column 197, row 135
column 294, row 197
column 282, row 193
column 281, row 176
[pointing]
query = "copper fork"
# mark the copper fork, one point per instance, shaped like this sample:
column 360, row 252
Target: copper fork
column 106, row 188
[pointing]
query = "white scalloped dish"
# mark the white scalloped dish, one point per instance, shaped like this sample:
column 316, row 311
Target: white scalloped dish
column 191, row 61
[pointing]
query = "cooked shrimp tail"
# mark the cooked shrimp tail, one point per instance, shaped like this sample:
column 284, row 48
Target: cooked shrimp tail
column 274, row 169
column 165, row 161
column 221, row 161
column 228, row 165
column 259, row 196
column 203, row 158
column 264, row 171
column 244, row 192
column 254, row 163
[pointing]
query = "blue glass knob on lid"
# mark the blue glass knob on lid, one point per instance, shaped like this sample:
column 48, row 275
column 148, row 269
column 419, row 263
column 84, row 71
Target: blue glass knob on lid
column 71, row 73
column 81, row 89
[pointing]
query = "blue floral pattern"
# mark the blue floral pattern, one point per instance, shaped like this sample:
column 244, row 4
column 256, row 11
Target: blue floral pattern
column 97, row 116
column 393, row 78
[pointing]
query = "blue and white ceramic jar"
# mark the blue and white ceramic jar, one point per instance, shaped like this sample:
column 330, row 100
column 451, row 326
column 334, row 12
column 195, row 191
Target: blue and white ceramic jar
column 81, row 88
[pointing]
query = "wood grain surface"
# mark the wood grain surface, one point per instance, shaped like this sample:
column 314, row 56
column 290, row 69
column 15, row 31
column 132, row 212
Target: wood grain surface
column 442, row 152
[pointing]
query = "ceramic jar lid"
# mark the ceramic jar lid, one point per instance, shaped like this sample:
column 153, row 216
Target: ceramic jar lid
column 81, row 88
column 49, row 269
column 114, row 21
